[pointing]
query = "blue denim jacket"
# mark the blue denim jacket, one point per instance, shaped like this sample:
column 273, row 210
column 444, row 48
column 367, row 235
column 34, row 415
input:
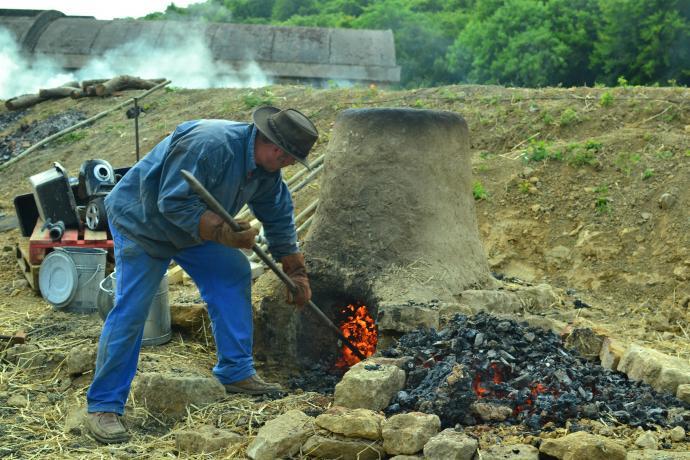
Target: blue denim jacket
column 154, row 206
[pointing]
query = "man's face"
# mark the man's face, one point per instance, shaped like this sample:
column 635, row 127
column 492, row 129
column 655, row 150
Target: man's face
column 278, row 159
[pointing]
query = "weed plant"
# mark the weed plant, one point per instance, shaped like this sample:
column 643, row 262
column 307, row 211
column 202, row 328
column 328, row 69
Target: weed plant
column 479, row 192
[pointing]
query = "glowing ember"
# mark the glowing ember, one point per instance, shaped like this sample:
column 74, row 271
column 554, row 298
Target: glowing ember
column 483, row 388
column 360, row 328
column 494, row 373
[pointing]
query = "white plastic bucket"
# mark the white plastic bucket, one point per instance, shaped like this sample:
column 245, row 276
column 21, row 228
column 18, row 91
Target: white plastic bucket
column 157, row 329
column 90, row 264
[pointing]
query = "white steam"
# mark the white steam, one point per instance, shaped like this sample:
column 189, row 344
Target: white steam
column 187, row 61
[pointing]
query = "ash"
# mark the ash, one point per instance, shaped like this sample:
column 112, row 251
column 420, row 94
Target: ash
column 482, row 369
column 28, row 134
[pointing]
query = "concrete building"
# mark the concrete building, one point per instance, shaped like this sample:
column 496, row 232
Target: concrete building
column 283, row 53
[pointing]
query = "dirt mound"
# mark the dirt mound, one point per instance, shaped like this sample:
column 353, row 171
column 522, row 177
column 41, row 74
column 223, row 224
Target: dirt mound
column 586, row 189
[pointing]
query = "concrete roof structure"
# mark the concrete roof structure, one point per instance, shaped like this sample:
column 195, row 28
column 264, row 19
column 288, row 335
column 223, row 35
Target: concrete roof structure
column 289, row 53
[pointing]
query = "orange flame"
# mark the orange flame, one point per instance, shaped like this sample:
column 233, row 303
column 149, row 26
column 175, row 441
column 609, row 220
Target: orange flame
column 360, row 328
column 496, row 375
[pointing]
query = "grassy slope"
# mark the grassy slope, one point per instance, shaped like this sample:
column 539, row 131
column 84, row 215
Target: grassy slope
column 589, row 222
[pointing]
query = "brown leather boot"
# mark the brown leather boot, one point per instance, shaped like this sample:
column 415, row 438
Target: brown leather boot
column 253, row 385
column 106, row 427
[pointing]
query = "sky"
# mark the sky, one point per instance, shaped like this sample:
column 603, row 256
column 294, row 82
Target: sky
column 101, row 9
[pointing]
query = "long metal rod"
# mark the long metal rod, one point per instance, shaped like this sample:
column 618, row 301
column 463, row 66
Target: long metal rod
column 220, row 210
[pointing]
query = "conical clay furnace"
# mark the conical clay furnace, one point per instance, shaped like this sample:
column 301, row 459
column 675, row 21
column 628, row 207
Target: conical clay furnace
column 395, row 225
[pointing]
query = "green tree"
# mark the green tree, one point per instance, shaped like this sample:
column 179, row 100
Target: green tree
column 525, row 43
column 420, row 45
column 284, row 9
column 644, row 41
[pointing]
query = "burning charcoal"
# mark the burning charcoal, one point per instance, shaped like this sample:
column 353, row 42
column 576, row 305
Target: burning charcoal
column 491, row 412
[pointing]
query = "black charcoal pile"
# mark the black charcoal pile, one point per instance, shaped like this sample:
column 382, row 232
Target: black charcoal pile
column 322, row 378
column 7, row 118
column 482, row 369
column 28, row 134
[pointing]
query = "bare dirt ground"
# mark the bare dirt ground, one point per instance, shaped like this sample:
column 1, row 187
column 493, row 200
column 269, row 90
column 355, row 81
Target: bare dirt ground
column 587, row 189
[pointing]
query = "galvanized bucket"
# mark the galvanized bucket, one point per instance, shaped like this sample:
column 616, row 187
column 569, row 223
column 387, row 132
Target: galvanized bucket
column 157, row 327
column 81, row 270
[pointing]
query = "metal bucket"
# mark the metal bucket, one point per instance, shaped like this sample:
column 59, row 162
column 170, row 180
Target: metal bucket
column 90, row 264
column 157, row 327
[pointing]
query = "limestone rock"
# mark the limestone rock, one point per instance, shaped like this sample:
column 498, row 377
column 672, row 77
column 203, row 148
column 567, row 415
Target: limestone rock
column 667, row 200
column 81, row 359
column 683, row 392
column 491, row 412
column 408, row 433
column 492, row 301
column 189, row 316
column 585, row 341
column 647, row 440
column 581, row 445
column 657, row 455
column 74, row 420
column 677, row 434
column 205, row 438
column 537, row 298
column 369, row 386
column 512, row 452
column 450, row 445
column 353, row 423
column 548, row 324
column 405, row 317
column 663, row 372
column 342, row 448
column 610, row 353
column 169, row 395
column 282, row 436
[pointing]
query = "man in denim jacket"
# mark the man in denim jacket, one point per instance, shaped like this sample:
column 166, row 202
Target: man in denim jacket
column 154, row 217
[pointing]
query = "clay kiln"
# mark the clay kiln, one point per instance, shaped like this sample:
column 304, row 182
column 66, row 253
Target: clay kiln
column 395, row 225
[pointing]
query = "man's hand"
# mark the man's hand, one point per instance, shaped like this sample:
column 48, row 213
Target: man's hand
column 296, row 270
column 213, row 228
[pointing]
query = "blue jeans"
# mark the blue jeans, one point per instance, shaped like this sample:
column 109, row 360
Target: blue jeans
column 223, row 277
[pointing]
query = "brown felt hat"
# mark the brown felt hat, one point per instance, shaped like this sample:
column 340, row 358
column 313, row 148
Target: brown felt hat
column 289, row 129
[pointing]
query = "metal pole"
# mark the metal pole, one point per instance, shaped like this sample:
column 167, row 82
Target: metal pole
column 220, row 210
column 136, row 126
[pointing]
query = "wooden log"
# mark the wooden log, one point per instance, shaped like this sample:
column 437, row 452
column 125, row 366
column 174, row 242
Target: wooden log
column 77, row 93
column 42, row 142
column 56, row 93
column 23, row 101
column 71, row 84
column 86, row 83
column 122, row 82
column 90, row 90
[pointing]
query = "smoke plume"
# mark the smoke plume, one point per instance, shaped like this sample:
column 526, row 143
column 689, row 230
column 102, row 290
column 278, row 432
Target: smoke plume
column 187, row 61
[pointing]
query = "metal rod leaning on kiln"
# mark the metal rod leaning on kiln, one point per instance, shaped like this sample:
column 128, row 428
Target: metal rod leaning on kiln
column 218, row 209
